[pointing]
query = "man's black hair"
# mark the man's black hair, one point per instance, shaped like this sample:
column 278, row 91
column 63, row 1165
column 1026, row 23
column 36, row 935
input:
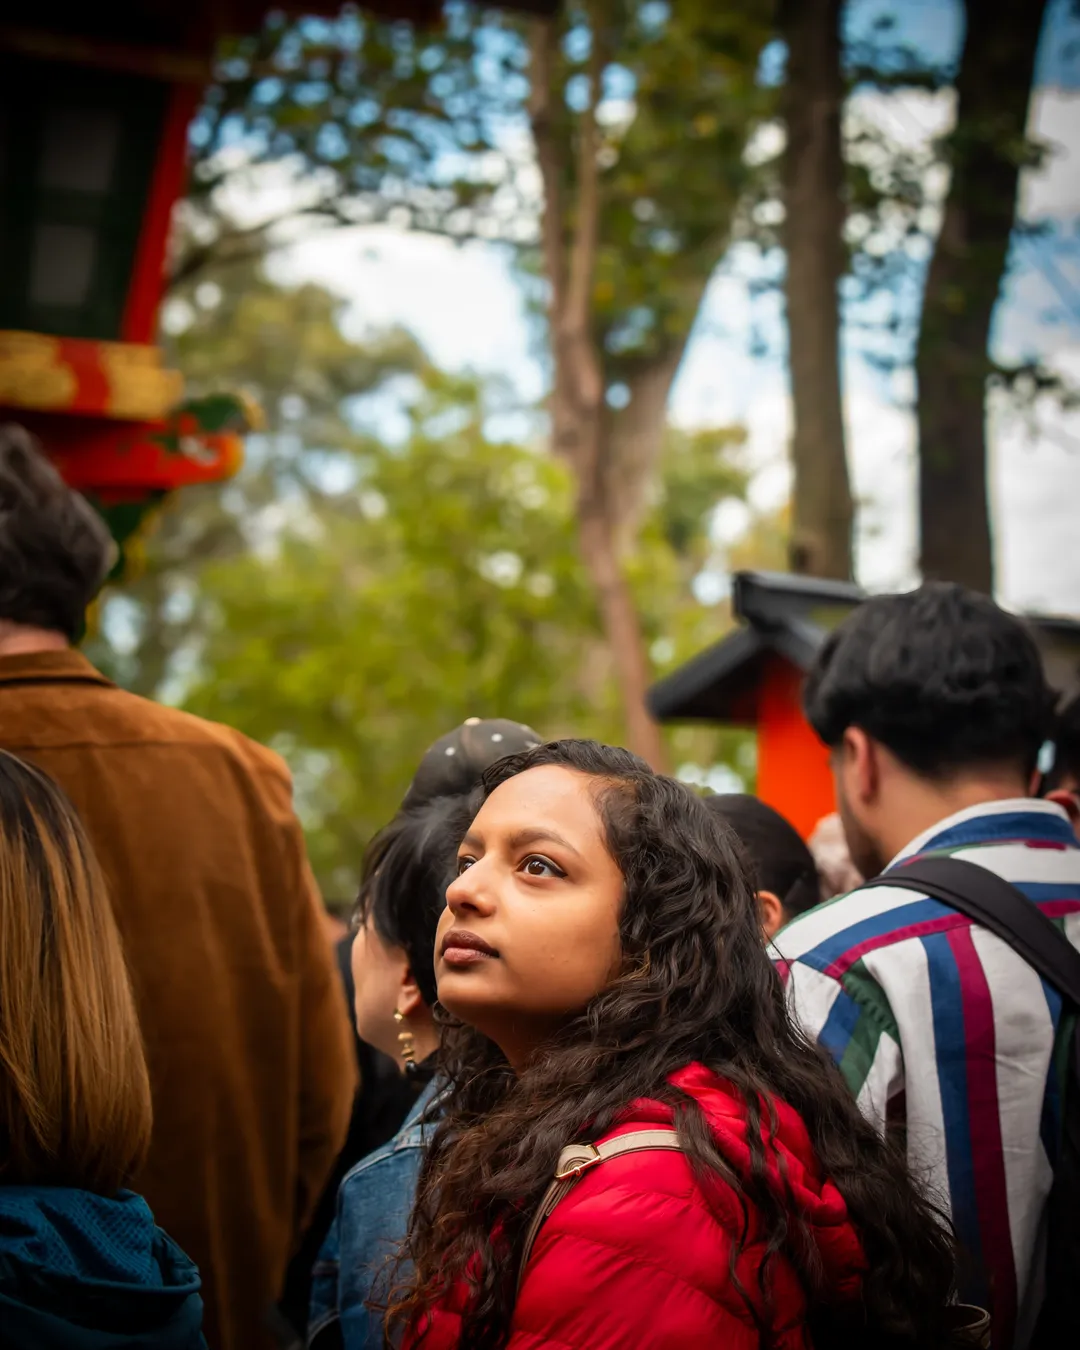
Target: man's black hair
column 1065, row 770
column 55, row 550
column 941, row 676
column 780, row 859
column 407, row 868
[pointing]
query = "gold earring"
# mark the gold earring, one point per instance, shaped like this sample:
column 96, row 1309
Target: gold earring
column 405, row 1040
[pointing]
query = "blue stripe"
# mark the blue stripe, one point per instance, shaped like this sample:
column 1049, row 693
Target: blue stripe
column 917, row 911
column 1050, row 1121
column 840, row 1025
column 1042, row 892
column 832, row 948
column 950, row 1056
column 1039, row 826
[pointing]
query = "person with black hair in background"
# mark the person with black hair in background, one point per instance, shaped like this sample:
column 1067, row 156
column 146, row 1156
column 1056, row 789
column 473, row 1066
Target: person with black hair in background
column 782, row 866
column 935, row 706
column 406, row 869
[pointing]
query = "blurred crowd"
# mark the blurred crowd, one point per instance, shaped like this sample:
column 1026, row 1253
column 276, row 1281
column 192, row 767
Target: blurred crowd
column 602, row 1061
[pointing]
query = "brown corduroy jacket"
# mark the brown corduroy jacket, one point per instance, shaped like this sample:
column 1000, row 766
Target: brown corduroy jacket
column 250, row 1056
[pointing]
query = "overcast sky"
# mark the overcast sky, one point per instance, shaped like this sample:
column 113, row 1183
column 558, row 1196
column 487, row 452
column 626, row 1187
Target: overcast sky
column 462, row 303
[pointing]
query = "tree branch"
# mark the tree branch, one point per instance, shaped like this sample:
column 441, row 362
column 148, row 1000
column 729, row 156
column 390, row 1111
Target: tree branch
column 587, row 223
column 552, row 210
column 239, row 244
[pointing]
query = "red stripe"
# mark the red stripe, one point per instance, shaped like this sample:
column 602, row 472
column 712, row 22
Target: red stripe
column 1058, row 909
column 984, row 1114
column 913, row 930
column 1053, row 909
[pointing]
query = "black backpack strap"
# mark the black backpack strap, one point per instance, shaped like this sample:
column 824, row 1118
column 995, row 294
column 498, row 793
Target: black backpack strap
column 1000, row 906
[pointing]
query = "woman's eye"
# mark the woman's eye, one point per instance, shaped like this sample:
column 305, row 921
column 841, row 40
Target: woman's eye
column 463, row 864
column 535, row 866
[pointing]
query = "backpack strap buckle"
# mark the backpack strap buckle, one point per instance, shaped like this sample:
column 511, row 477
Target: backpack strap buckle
column 575, row 1159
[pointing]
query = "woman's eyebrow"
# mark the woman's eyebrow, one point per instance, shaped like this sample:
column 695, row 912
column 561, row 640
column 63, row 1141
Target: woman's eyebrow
column 536, row 835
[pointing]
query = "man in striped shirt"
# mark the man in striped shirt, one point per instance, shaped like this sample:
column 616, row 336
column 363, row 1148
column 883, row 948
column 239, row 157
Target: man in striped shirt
column 934, row 705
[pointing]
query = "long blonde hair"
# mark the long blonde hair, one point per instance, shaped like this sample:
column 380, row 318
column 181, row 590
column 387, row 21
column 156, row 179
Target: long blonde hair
column 74, row 1090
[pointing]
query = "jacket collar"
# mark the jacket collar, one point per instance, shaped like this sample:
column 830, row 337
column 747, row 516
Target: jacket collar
column 431, row 1094
column 57, row 667
column 1019, row 818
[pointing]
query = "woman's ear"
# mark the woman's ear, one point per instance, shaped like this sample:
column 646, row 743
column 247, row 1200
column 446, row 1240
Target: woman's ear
column 772, row 913
column 409, row 998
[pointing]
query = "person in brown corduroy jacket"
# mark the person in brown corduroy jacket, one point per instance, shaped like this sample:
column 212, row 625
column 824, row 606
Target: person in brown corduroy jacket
column 247, row 1039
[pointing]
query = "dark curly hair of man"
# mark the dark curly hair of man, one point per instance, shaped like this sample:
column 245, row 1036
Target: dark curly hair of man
column 941, row 676
column 55, row 550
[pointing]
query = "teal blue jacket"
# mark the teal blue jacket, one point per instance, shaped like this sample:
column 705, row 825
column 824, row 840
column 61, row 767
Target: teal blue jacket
column 80, row 1271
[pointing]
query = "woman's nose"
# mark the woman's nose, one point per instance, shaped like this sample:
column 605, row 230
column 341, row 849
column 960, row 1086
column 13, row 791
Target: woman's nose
column 470, row 891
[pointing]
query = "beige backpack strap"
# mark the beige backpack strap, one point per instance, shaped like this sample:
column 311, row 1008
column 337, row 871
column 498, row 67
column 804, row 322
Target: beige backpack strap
column 578, row 1158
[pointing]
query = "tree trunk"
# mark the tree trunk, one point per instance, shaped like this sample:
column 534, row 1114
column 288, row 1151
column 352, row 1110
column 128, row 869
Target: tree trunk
column 813, row 180
column 951, row 365
column 635, row 441
column 622, row 628
column 577, row 404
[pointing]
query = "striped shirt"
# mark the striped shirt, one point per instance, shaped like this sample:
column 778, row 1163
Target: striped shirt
column 937, row 1022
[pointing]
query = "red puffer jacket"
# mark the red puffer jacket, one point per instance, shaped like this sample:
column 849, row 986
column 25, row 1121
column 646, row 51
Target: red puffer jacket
column 633, row 1258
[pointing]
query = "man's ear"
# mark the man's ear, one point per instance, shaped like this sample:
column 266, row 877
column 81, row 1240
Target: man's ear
column 862, row 766
column 772, row 913
column 409, row 999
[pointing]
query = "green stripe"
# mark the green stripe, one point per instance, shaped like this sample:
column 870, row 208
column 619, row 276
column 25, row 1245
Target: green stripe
column 875, row 1020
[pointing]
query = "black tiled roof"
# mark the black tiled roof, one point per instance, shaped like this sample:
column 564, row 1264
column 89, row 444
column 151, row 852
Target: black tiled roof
column 789, row 616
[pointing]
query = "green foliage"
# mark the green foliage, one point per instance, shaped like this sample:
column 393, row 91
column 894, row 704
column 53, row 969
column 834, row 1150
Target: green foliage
column 347, row 599
column 428, row 129
column 675, row 172
column 700, row 466
column 445, row 587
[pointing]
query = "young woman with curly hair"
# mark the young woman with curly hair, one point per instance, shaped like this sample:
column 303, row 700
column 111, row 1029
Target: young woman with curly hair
column 601, row 961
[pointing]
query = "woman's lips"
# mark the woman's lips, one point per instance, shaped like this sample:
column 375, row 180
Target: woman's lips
column 462, row 948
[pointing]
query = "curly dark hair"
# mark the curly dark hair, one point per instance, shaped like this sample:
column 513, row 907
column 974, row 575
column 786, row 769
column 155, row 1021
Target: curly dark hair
column 942, row 676
column 696, row 985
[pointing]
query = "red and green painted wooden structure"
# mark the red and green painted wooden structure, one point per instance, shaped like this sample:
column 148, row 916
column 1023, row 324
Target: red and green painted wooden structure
column 95, row 105
column 754, row 677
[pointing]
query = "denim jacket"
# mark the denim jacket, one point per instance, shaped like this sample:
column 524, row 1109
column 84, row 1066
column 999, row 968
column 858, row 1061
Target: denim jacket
column 357, row 1258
